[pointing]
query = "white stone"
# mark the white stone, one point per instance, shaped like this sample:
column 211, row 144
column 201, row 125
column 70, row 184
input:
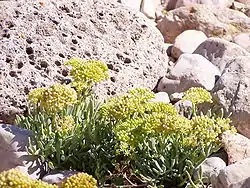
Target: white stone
column 161, row 97
column 187, row 42
column 148, row 7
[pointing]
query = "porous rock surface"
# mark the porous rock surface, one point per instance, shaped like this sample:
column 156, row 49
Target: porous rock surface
column 36, row 37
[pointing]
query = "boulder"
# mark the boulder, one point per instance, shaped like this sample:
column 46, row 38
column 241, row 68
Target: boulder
column 13, row 143
column 37, row 38
column 211, row 20
column 191, row 70
column 236, row 145
column 187, row 42
column 219, row 51
column 243, row 40
column 232, row 92
column 233, row 176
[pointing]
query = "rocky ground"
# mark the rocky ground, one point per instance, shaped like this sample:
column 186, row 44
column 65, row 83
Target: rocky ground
column 168, row 46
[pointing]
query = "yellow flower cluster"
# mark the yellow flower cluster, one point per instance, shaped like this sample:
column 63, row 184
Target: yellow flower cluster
column 135, row 103
column 36, row 95
column 80, row 180
column 15, row 179
column 137, row 117
column 207, row 129
column 65, row 124
column 197, row 95
column 53, row 99
column 133, row 131
column 86, row 73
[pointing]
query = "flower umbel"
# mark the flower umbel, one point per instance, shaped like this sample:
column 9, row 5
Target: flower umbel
column 80, row 180
column 36, row 95
column 65, row 124
column 197, row 95
column 53, row 99
column 86, row 73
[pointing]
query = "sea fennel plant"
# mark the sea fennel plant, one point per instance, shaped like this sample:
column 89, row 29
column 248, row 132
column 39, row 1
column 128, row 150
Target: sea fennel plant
column 162, row 147
column 68, row 132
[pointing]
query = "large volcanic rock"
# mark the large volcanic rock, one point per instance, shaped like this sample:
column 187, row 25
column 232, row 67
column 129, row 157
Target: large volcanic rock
column 36, row 37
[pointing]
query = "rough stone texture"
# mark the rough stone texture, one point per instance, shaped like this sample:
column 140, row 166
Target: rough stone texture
column 213, row 21
column 187, row 42
column 219, row 51
column 13, row 141
column 243, row 40
column 210, row 166
column 37, row 37
column 233, row 176
column 58, row 177
column 191, row 70
column 232, row 91
column 237, row 146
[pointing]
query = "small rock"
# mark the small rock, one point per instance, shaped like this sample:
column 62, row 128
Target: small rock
column 175, row 97
column 191, row 70
column 184, row 107
column 187, row 42
column 233, row 176
column 161, row 97
column 58, row 177
column 243, row 40
column 236, row 145
column 210, row 166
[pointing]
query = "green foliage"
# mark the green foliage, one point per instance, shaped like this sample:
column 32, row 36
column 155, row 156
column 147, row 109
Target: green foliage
column 15, row 179
column 80, row 180
column 86, row 73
